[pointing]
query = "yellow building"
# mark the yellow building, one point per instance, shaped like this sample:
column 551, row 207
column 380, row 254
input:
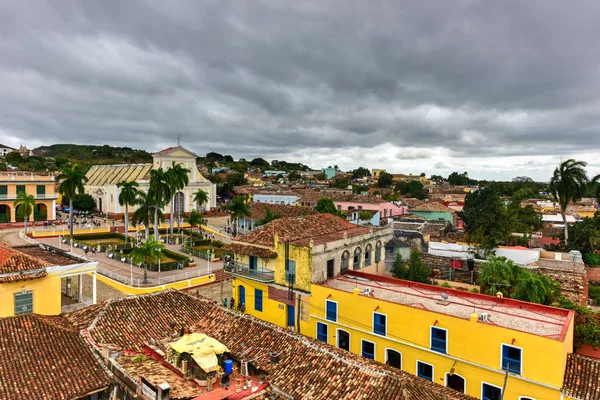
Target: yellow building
column 40, row 186
column 276, row 265
column 30, row 285
column 375, row 173
column 454, row 338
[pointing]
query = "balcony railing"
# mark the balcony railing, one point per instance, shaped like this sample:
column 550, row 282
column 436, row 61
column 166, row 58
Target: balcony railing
column 13, row 196
column 246, row 272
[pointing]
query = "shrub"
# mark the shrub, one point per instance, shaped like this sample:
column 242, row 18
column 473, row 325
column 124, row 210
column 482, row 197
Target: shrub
column 446, row 285
column 474, row 290
column 591, row 259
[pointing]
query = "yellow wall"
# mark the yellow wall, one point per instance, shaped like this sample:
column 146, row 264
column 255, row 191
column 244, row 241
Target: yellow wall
column 46, row 295
column 273, row 311
column 143, row 290
column 30, row 189
column 408, row 332
column 303, row 258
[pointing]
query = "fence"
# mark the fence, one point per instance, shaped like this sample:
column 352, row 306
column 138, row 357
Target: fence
column 139, row 282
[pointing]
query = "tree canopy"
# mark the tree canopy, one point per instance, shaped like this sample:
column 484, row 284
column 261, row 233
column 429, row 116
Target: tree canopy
column 360, row 172
column 326, row 205
column 411, row 189
column 385, row 180
column 412, row 270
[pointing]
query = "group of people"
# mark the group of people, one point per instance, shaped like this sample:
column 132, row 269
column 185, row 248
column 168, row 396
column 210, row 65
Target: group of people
column 241, row 307
column 82, row 222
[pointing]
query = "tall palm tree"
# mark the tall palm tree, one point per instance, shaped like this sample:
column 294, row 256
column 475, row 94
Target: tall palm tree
column 127, row 198
column 27, row 204
column 144, row 213
column 200, row 197
column 269, row 216
column 194, row 220
column 177, row 179
column 71, row 181
column 158, row 193
column 568, row 184
column 148, row 253
column 238, row 208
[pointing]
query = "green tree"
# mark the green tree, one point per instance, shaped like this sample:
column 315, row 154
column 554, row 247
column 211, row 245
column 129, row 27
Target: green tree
column 586, row 326
column 61, row 162
column 148, row 253
column 200, row 198
column 525, row 193
column 260, row 163
column 294, row 176
column 536, row 288
column 127, row 197
column 366, row 215
column 321, row 177
column 14, row 158
column 24, row 204
column 177, row 179
column 411, row 189
column 458, row 179
column 485, row 218
column 523, row 219
column 385, row 180
column 238, row 209
column 568, row 184
column 326, row 205
column 497, row 275
column 236, row 179
column 194, row 219
column 413, row 270
column 269, row 216
column 143, row 213
column 360, row 172
column 71, row 181
column 84, row 202
column 159, row 193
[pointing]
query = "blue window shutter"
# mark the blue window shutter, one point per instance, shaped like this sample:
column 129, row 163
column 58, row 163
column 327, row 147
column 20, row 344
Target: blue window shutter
column 322, row 332
column 258, row 303
column 331, row 313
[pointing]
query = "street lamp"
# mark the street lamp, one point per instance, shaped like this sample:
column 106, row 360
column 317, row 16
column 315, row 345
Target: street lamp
column 159, row 256
column 208, row 253
column 131, row 269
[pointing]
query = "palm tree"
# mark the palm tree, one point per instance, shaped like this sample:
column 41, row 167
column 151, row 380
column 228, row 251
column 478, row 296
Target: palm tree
column 177, row 178
column 143, row 214
column 568, row 184
column 127, row 198
column 71, row 181
column 238, row 208
column 149, row 252
column 27, row 203
column 269, row 216
column 200, row 197
column 159, row 193
column 194, row 219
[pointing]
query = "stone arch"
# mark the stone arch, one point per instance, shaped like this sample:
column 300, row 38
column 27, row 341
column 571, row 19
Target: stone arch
column 357, row 257
column 40, row 212
column 345, row 263
column 368, row 254
column 4, row 213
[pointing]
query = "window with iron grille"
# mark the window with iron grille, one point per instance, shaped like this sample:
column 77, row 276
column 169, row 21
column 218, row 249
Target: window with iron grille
column 379, row 324
column 322, row 332
column 438, row 340
column 511, row 358
column 331, row 307
column 23, row 303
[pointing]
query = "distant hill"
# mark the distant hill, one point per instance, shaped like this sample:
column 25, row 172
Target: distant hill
column 86, row 154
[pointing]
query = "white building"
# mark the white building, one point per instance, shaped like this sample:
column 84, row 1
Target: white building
column 4, row 150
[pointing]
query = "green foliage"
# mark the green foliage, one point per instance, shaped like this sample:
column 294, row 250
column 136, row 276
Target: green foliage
column 523, row 219
column 84, row 202
column 474, row 290
column 24, row 204
column 214, row 156
column 524, row 194
column 200, row 197
column 446, row 285
column 587, row 323
column 236, row 179
column 536, row 288
column 437, row 178
column 294, row 176
column 594, row 293
column 460, row 179
column 340, row 183
column 412, row 270
column 239, row 209
column 385, row 180
column 584, row 235
column 366, row 215
column 260, row 163
column 269, row 216
column 360, row 172
column 497, row 275
column 194, row 219
column 591, row 259
column 321, row 177
column 411, row 189
column 326, row 205
column 148, row 253
column 486, row 219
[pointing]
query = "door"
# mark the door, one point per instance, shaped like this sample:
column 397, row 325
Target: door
column 330, row 269
column 242, row 295
column 291, row 313
column 455, row 382
column 343, row 340
column 253, row 260
column 393, row 358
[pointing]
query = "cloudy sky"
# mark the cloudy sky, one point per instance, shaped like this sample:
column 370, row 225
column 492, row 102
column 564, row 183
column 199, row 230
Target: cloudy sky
column 499, row 89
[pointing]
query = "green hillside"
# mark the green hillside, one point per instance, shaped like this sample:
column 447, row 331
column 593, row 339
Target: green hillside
column 94, row 154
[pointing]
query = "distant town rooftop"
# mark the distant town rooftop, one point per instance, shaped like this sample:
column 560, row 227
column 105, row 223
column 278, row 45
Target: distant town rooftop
column 531, row 318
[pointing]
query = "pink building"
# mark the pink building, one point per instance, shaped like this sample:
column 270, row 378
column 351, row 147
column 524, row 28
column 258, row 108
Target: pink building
column 385, row 208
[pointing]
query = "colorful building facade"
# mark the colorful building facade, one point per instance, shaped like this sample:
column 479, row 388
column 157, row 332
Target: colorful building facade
column 40, row 186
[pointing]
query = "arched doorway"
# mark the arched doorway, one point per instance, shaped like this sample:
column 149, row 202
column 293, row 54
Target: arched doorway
column 455, row 382
column 357, row 256
column 343, row 339
column 368, row 255
column 378, row 251
column 18, row 216
column 179, row 206
column 40, row 212
column 4, row 213
column 241, row 295
column 345, row 262
column 393, row 358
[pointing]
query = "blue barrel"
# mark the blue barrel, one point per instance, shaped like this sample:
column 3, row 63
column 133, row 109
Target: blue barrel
column 228, row 367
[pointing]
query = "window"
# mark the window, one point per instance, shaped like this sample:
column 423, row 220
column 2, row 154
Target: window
column 258, row 303
column 20, row 189
column 23, row 303
column 111, row 198
column 345, row 263
column 331, row 307
column 322, row 332
column 290, row 272
column 40, row 190
column 339, row 207
column 511, row 357
column 438, row 339
column 368, row 255
column 424, row 370
column 490, row 392
column 3, row 190
column 357, row 257
column 368, row 349
column 379, row 324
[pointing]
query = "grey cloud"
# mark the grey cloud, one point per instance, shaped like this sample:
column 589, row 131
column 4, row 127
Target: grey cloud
column 267, row 78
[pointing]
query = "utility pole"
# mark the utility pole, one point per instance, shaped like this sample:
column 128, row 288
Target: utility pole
column 505, row 379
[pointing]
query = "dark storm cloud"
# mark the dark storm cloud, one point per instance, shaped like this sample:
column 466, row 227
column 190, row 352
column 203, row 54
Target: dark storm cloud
column 270, row 78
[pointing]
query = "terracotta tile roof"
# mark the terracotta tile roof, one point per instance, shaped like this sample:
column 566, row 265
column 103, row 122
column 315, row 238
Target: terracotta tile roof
column 17, row 266
column 258, row 210
column 301, row 229
column 313, row 196
column 307, row 368
column 45, row 358
column 412, row 202
column 432, row 207
column 239, row 248
column 582, row 378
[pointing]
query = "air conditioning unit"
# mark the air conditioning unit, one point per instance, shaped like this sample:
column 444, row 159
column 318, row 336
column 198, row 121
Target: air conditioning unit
column 483, row 317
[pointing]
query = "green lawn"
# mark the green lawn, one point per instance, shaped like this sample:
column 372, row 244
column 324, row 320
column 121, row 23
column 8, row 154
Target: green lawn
column 218, row 252
column 95, row 242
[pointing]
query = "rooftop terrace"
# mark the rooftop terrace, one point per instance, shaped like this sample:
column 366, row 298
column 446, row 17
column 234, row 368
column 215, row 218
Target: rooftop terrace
column 531, row 318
